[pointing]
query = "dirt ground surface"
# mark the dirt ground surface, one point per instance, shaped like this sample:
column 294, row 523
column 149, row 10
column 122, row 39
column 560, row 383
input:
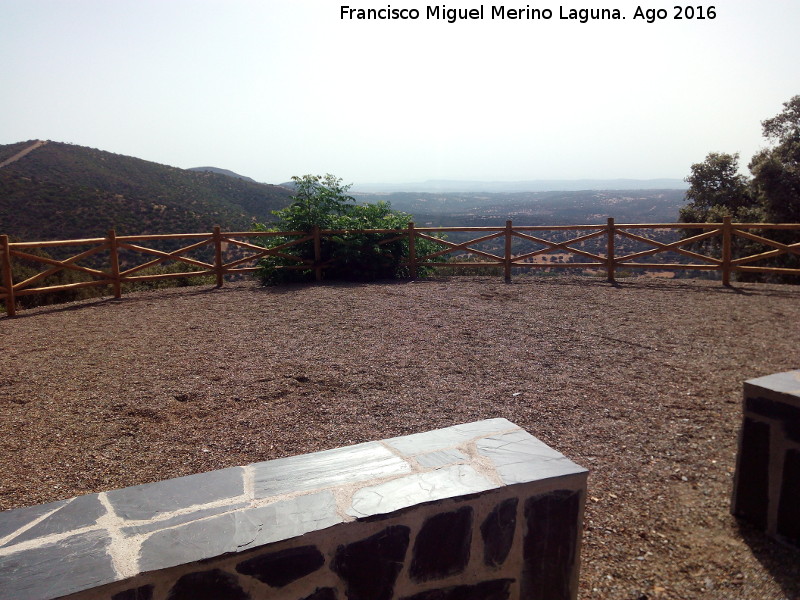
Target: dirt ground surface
column 639, row 382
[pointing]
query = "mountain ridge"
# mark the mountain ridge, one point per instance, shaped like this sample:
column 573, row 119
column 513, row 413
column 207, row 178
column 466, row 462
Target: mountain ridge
column 65, row 191
column 219, row 171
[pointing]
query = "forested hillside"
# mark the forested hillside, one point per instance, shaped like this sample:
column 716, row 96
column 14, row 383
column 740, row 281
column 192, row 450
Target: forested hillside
column 62, row 191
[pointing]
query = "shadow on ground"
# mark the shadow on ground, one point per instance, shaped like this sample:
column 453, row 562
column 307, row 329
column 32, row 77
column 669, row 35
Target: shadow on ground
column 780, row 560
column 632, row 283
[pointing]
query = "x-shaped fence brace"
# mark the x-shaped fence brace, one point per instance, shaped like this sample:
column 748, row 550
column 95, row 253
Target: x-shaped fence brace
column 260, row 252
column 780, row 248
column 453, row 247
column 58, row 265
column 551, row 246
column 673, row 247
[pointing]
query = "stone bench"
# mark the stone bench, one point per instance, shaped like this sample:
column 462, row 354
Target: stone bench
column 766, row 490
column 481, row 511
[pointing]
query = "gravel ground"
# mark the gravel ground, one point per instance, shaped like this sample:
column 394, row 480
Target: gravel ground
column 639, row 382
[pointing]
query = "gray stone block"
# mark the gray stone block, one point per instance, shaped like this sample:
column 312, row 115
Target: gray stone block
column 781, row 385
column 74, row 564
column 447, row 482
column 321, row 470
column 14, row 520
column 441, row 458
column 519, row 458
column 150, row 500
column 202, row 513
column 77, row 513
column 238, row 531
column 450, row 437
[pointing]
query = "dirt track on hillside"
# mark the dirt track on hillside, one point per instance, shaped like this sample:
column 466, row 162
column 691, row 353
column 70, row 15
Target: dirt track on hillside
column 22, row 153
column 640, row 383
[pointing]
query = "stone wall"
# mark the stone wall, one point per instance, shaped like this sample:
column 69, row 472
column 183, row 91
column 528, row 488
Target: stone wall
column 481, row 511
column 767, row 484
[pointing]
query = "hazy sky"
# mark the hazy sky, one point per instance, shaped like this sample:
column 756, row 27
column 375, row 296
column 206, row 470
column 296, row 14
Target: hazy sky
column 275, row 88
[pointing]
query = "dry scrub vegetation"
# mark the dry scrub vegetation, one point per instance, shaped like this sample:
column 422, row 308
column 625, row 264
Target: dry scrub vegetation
column 640, row 383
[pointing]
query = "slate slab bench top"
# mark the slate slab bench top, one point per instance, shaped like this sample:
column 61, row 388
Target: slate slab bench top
column 63, row 547
column 781, row 387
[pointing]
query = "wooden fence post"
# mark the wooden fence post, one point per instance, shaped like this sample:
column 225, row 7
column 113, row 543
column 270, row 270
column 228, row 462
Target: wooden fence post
column 8, row 278
column 610, row 267
column 412, row 253
column 727, row 231
column 113, row 250
column 218, row 267
column 507, row 258
column 317, row 253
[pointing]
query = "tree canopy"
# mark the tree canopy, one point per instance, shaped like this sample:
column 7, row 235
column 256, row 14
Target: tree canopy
column 776, row 170
column 772, row 194
column 717, row 190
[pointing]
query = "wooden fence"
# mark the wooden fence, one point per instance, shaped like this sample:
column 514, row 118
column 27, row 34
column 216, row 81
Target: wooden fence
column 229, row 252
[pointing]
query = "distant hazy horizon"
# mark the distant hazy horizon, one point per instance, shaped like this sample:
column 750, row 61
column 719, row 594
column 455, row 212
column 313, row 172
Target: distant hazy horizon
column 540, row 185
column 282, row 88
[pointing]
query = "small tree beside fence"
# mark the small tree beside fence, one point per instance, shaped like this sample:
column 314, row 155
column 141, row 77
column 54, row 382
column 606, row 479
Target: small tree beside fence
column 362, row 242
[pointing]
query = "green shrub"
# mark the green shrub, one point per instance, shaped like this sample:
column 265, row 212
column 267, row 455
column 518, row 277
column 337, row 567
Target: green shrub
column 351, row 254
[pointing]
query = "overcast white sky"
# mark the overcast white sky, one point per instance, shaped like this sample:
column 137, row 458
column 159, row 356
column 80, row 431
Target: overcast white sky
column 275, row 88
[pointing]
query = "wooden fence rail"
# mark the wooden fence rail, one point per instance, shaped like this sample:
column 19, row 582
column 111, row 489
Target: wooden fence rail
column 240, row 251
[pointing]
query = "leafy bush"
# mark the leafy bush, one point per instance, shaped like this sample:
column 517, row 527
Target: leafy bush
column 350, row 253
